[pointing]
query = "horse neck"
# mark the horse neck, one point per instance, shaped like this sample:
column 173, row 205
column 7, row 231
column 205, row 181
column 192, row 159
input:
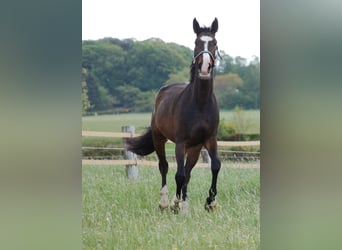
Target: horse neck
column 202, row 91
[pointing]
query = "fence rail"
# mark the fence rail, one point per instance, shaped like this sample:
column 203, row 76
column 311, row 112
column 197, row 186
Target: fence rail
column 155, row 164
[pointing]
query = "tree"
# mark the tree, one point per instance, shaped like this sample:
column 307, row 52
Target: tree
column 145, row 101
column 225, row 65
column 118, row 70
column 126, row 95
column 179, row 76
column 227, row 89
column 86, row 105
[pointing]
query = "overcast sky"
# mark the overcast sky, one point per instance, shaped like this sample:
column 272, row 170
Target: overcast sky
column 171, row 21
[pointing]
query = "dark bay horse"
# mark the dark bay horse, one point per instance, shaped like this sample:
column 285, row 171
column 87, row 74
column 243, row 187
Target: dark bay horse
column 188, row 115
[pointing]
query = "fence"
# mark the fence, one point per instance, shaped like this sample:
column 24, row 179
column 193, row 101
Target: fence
column 131, row 161
column 127, row 135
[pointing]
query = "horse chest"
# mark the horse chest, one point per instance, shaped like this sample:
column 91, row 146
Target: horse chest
column 196, row 129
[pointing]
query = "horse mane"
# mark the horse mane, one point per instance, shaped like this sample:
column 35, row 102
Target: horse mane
column 192, row 72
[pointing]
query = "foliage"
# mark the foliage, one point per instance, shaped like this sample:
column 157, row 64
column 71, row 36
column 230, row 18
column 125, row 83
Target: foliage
column 237, row 128
column 242, row 122
column 85, row 100
column 239, row 82
column 225, row 130
column 123, row 73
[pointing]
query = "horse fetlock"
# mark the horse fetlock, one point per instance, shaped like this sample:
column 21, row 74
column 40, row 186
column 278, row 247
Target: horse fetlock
column 175, row 205
column 210, row 205
column 212, row 193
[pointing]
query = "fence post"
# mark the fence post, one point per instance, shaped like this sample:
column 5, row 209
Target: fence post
column 205, row 156
column 132, row 171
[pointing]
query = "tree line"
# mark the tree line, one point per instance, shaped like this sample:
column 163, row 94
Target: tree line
column 124, row 75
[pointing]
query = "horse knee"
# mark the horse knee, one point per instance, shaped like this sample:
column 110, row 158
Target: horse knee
column 163, row 167
column 215, row 164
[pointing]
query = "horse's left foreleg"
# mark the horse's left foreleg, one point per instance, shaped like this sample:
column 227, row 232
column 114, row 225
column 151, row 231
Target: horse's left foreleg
column 211, row 146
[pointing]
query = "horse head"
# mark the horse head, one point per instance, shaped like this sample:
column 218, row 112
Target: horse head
column 205, row 49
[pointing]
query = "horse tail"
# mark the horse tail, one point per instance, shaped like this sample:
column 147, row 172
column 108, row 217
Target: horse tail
column 141, row 145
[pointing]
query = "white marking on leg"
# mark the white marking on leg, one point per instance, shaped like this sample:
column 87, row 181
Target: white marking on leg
column 164, row 200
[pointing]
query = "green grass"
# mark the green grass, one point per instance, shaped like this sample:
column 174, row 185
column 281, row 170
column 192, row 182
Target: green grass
column 113, row 123
column 123, row 214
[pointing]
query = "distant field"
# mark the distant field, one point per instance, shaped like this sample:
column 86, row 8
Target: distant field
column 123, row 214
column 113, row 123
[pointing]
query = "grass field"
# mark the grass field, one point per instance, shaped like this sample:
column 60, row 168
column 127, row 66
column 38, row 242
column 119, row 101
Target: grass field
column 123, row 214
column 113, row 123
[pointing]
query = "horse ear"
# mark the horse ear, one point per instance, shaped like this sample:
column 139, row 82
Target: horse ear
column 214, row 26
column 196, row 26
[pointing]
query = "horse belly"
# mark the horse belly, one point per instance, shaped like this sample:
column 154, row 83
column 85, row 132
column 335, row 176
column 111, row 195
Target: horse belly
column 162, row 123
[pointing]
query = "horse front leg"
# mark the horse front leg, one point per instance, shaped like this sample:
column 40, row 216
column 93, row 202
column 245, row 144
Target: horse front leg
column 191, row 160
column 179, row 177
column 211, row 146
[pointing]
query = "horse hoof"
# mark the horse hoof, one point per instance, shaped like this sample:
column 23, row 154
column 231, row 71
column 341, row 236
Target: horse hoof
column 164, row 201
column 175, row 205
column 175, row 208
column 163, row 207
column 185, row 207
column 211, row 207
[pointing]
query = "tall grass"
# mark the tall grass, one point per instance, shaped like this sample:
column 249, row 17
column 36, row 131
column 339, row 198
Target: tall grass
column 123, row 214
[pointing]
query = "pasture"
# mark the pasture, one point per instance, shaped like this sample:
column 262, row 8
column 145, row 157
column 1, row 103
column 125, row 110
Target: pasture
column 119, row 213
column 123, row 214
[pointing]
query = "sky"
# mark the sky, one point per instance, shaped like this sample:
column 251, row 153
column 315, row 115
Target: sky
column 171, row 21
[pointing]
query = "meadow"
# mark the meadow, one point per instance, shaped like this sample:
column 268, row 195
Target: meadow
column 119, row 213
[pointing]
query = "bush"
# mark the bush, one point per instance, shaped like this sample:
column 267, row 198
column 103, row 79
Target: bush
column 225, row 130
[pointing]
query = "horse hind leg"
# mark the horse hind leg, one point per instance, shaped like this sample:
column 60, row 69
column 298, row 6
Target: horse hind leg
column 163, row 168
